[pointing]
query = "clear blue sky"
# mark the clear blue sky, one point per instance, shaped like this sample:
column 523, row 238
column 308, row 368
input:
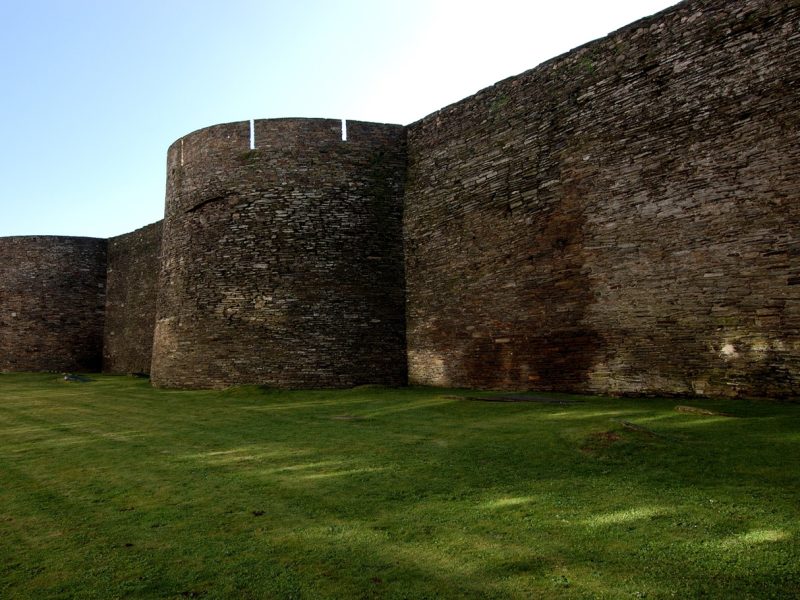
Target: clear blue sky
column 93, row 92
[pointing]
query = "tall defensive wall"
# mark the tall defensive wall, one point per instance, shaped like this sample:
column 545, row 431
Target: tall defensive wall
column 52, row 298
column 282, row 256
column 134, row 260
column 624, row 218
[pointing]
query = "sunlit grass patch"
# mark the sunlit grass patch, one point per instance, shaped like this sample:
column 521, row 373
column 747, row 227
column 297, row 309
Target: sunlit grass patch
column 756, row 536
column 113, row 489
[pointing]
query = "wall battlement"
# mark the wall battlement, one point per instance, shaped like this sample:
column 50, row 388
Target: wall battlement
column 624, row 218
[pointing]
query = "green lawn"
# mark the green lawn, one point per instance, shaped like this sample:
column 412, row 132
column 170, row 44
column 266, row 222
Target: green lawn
column 110, row 489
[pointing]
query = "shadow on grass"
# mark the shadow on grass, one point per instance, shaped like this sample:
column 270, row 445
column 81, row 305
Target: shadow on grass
column 266, row 494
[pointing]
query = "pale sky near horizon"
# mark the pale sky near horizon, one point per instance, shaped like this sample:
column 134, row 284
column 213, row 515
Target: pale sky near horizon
column 94, row 91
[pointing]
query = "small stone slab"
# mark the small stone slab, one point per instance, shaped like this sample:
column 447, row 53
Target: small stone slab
column 539, row 399
column 76, row 378
column 641, row 429
column 693, row 410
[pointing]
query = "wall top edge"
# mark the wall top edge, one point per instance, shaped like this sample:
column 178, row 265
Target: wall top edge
column 556, row 60
column 138, row 230
column 243, row 126
column 50, row 238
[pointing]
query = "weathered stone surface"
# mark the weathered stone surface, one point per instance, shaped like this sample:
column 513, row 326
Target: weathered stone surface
column 283, row 265
column 623, row 218
column 52, row 297
column 131, row 291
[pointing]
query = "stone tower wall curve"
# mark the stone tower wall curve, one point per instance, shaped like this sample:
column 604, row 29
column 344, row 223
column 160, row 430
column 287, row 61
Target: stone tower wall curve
column 282, row 264
column 52, row 301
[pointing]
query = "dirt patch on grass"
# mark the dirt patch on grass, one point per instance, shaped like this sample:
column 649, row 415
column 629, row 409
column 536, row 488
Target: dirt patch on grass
column 537, row 398
column 597, row 443
column 703, row 412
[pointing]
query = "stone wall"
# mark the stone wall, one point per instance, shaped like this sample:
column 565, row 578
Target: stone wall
column 52, row 296
column 282, row 265
column 131, row 290
column 624, row 218
column 621, row 219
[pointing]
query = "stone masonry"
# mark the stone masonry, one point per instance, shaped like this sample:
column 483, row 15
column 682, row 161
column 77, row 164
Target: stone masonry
column 282, row 265
column 623, row 219
column 132, row 284
column 52, row 296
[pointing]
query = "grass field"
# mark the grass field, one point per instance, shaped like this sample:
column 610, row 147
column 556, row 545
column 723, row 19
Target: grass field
column 110, row 489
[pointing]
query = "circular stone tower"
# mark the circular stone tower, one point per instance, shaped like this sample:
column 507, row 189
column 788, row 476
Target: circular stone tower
column 282, row 264
column 52, row 302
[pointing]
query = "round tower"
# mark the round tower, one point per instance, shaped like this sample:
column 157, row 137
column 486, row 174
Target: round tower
column 282, row 258
column 52, row 301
